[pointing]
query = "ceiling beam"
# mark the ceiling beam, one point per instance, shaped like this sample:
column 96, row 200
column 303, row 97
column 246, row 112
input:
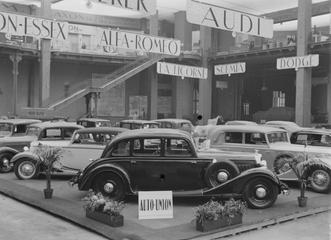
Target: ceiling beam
column 292, row 13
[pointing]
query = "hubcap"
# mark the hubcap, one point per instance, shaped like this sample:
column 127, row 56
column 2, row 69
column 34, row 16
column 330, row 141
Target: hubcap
column 27, row 169
column 222, row 177
column 108, row 187
column 320, row 178
column 261, row 192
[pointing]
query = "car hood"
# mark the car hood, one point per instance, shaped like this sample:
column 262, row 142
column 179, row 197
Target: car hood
column 5, row 140
column 212, row 153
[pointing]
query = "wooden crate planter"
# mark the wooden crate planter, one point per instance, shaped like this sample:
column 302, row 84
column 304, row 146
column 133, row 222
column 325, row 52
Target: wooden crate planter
column 113, row 221
column 208, row 225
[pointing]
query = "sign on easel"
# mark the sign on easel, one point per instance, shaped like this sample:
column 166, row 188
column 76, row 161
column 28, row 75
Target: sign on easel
column 155, row 204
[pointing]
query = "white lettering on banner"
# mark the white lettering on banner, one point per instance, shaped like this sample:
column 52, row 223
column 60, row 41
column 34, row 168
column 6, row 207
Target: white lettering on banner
column 298, row 62
column 182, row 70
column 228, row 69
column 222, row 18
column 20, row 25
column 139, row 42
column 155, row 204
column 143, row 6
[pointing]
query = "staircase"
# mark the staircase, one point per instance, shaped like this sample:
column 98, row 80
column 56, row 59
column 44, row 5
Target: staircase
column 100, row 85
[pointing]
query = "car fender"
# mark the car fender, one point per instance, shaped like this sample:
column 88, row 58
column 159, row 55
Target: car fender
column 29, row 155
column 237, row 184
column 85, row 183
column 8, row 150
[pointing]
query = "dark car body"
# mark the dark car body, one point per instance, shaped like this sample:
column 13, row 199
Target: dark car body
column 58, row 131
column 138, row 124
column 86, row 144
column 175, row 123
column 166, row 159
column 94, row 122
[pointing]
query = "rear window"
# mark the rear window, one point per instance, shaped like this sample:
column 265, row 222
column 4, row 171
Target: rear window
column 5, row 129
column 147, row 147
column 255, row 138
column 233, row 137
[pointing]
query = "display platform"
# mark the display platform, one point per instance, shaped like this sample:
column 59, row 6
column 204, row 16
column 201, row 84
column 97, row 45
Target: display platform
column 67, row 204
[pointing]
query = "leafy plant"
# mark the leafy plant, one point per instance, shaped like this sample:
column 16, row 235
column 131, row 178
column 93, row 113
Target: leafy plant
column 97, row 202
column 213, row 210
column 48, row 154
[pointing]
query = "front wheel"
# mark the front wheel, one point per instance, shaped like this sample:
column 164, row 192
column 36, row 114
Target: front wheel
column 26, row 169
column 260, row 193
column 4, row 162
column 320, row 181
column 110, row 185
column 220, row 173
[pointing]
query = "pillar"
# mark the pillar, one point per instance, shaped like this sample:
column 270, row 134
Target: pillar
column 303, row 75
column 328, row 103
column 152, row 75
column 15, row 58
column 205, row 85
column 45, row 59
column 183, row 88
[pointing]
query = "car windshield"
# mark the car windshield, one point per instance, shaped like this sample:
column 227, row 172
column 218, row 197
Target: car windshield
column 93, row 138
column 33, row 131
column 277, row 137
column 5, row 129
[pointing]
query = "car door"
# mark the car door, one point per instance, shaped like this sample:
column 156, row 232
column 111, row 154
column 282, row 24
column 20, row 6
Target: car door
column 153, row 169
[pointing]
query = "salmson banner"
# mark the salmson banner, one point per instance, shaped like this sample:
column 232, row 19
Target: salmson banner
column 138, row 42
column 222, row 18
column 182, row 70
column 20, row 25
column 143, row 6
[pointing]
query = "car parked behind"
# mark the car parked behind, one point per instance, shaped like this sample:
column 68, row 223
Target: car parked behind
column 166, row 159
column 53, row 132
column 275, row 147
column 12, row 140
column 86, row 144
column 176, row 123
column 138, row 124
column 94, row 122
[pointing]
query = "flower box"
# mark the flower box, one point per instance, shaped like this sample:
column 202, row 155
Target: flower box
column 208, row 225
column 113, row 221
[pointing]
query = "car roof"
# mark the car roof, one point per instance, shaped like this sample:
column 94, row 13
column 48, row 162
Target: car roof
column 314, row 130
column 138, row 121
column 240, row 122
column 246, row 128
column 152, row 132
column 289, row 123
column 50, row 124
column 16, row 121
column 94, row 119
column 102, row 130
column 175, row 120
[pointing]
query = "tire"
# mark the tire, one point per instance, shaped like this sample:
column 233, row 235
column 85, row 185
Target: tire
column 262, row 185
column 220, row 173
column 6, row 156
column 320, row 180
column 26, row 168
column 104, row 181
column 281, row 165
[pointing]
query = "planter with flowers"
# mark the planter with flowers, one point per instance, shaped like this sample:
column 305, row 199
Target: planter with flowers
column 103, row 209
column 213, row 214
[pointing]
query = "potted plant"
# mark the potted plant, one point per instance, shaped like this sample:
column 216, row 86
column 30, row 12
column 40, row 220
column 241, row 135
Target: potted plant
column 213, row 214
column 48, row 155
column 103, row 209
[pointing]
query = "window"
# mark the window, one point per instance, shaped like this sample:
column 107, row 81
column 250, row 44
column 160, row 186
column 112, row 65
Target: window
column 33, row 131
column 166, row 125
column 67, row 132
column 51, row 134
column 177, row 147
column 19, row 129
column 122, row 148
column 147, row 147
column 233, row 137
column 277, row 137
column 255, row 138
column 125, row 125
column 5, row 129
column 278, row 99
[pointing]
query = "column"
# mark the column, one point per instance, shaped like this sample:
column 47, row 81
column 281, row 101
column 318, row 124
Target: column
column 328, row 103
column 15, row 58
column 205, row 85
column 152, row 75
column 303, row 75
column 45, row 59
column 183, row 88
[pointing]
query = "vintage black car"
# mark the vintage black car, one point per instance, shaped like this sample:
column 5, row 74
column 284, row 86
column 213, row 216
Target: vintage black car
column 166, row 159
